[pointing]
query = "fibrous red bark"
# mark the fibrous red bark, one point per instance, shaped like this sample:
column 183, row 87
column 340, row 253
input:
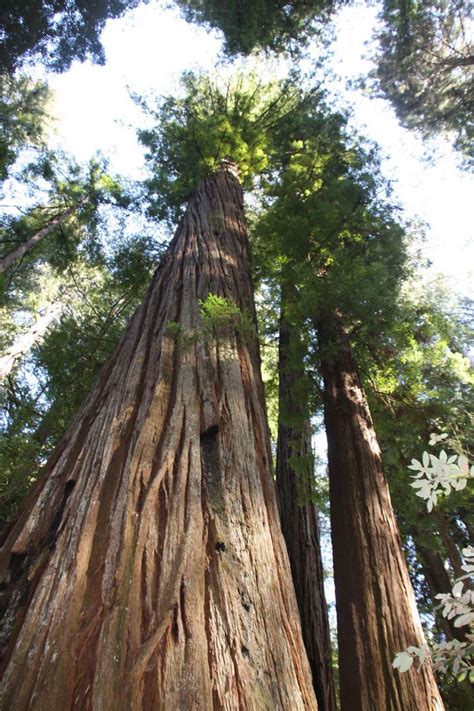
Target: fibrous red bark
column 299, row 517
column 376, row 611
column 147, row 569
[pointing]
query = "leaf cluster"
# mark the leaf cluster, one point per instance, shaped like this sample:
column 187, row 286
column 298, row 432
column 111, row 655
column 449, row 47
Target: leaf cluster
column 23, row 114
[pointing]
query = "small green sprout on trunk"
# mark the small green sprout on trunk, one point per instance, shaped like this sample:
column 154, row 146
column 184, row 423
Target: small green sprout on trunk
column 220, row 318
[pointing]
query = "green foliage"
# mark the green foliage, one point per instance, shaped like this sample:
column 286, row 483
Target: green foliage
column 259, row 24
column 55, row 32
column 424, row 61
column 43, row 395
column 213, row 121
column 326, row 226
column 425, row 67
column 220, row 319
column 219, row 314
column 23, row 114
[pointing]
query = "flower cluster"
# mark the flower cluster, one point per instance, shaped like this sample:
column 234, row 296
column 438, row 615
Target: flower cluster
column 439, row 475
column 445, row 657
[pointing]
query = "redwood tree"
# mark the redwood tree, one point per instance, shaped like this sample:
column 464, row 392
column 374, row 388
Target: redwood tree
column 147, row 568
column 299, row 516
column 376, row 611
column 328, row 224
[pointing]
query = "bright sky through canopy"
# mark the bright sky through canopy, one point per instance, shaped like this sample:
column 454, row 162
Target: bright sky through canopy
column 150, row 47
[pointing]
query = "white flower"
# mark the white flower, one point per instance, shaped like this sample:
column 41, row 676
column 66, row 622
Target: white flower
column 402, row 661
column 438, row 475
column 434, row 438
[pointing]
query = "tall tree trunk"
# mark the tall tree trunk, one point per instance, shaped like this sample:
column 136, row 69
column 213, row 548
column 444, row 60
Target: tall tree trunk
column 26, row 246
column 299, row 518
column 24, row 343
column 376, row 610
column 148, row 569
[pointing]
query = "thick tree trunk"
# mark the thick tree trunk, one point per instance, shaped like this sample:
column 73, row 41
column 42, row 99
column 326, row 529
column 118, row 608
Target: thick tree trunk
column 148, row 570
column 24, row 343
column 376, row 610
column 26, row 246
column 299, row 518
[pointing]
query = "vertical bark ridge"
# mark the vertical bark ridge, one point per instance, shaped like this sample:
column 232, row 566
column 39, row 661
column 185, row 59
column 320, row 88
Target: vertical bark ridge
column 164, row 582
column 376, row 609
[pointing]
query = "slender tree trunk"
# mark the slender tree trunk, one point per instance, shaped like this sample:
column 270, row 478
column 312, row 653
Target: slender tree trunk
column 148, row 570
column 376, row 610
column 24, row 343
column 467, row 518
column 437, row 581
column 25, row 247
column 449, row 543
column 299, row 518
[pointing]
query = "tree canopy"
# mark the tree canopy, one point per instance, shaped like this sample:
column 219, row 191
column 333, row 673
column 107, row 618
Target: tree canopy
column 424, row 58
column 54, row 31
column 259, row 24
column 425, row 67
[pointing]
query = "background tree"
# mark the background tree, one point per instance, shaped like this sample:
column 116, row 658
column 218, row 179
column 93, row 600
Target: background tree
column 347, row 255
column 261, row 24
column 94, row 279
column 296, row 487
column 51, row 235
column 23, row 114
column 425, row 67
column 55, row 32
column 424, row 384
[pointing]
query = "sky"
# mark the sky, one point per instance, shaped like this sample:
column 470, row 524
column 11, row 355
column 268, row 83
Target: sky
column 148, row 49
